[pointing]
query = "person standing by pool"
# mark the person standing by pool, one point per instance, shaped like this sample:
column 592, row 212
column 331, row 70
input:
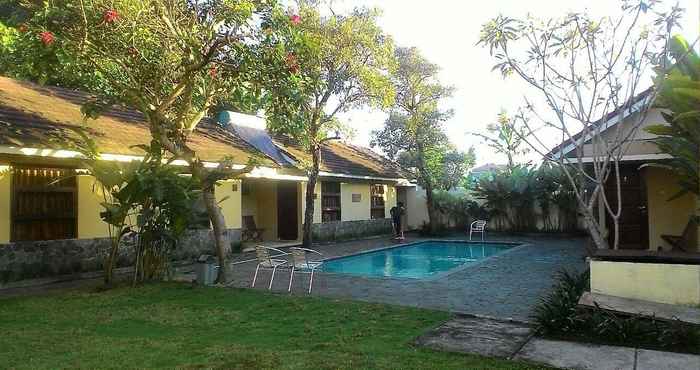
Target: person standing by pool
column 396, row 212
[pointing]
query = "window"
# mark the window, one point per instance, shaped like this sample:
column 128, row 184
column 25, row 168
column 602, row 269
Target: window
column 330, row 201
column 43, row 203
column 377, row 202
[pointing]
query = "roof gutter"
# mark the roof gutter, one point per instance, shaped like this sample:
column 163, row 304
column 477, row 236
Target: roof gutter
column 619, row 117
column 257, row 172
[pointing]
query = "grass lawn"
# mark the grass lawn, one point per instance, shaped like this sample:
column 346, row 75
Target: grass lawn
column 172, row 325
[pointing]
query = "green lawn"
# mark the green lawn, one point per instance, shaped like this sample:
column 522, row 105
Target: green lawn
column 171, row 325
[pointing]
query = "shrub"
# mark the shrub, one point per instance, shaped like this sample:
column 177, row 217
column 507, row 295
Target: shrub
column 556, row 313
column 557, row 316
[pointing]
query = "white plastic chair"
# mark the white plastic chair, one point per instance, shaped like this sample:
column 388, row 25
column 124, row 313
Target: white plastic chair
column 301, row 263
column 478, row 226
column 268, row 262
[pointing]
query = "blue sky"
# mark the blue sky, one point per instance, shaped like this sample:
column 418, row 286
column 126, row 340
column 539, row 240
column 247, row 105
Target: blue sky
column 446, row 32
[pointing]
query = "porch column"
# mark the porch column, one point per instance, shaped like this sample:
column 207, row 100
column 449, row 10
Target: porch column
column 5, row 206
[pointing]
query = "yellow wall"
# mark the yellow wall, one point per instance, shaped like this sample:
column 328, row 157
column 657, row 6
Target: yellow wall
column 350, row 211
column 5, row 205
column 231, row 204
column 663, row 283
column 665, row 218
column 90, row 225
column 90, row 197
column 261, row 203
column 416, row 208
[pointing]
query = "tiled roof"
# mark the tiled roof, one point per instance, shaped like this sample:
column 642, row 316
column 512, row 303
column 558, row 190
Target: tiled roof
column 44, row 117
column 625, row 109
column 342, row 158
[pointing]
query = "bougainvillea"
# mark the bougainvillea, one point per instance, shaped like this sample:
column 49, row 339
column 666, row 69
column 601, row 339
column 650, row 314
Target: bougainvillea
column 47, row 38
column 110, row 16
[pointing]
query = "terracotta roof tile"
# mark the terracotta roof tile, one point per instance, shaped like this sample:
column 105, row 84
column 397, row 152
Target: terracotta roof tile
column 347, row 159
column 43, row 117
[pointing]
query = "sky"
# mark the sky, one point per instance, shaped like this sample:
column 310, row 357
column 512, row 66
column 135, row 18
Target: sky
column 446, row 32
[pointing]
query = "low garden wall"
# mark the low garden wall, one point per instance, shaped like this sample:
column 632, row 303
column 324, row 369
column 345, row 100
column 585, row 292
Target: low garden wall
column 28, row 260
column 656, row 282
column 340, row 230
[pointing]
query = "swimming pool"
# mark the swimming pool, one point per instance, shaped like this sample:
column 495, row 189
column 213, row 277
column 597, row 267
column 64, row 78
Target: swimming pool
column 419, row 260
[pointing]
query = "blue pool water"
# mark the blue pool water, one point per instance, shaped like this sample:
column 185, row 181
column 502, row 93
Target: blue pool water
column 418, row 260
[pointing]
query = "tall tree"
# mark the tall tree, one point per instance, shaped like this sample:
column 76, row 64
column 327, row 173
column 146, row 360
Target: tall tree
column 504, row 138
column 341, row 64
column 413, row 132
column 173, row 60
column 582, row 68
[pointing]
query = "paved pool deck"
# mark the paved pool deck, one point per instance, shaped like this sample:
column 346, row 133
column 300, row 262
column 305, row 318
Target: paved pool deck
column 506, row 286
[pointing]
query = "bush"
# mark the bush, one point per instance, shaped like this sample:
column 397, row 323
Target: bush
column 459, row 208
column 558, row 316
column 556, row 313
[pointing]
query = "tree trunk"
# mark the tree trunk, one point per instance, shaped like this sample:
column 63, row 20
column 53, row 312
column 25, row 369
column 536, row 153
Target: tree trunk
column 223, row 246
column 432, row 216
column 310, row 189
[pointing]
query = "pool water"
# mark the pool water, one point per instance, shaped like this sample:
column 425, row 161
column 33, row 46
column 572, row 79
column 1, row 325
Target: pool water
column 417, row 260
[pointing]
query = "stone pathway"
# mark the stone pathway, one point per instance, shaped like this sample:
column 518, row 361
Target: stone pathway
column 513, row 340
column 477, row 336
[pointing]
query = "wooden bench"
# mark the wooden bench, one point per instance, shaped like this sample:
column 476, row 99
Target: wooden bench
column 636, row 307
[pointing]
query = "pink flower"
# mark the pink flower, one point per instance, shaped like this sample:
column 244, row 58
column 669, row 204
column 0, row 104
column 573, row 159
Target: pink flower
column 47, row 38
column 110, row 16
column 295, row 19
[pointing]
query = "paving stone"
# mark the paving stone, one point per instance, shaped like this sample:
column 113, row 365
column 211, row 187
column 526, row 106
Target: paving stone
column 657, row 360
column 577, row 356
column 476, row 336
column 507, row 286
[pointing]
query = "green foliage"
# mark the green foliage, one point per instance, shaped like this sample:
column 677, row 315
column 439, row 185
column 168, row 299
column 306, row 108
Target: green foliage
column 149, row 199
column 338, row 62
column 679, row 96
column 413, row 133
column 558, row 316
column 512, row 198
column 556, row 313
column 507, row 138
column 460, row 208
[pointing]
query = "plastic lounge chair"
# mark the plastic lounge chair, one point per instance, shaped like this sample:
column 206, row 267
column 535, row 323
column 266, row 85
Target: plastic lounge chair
column 250, row 231
column 682, row 242
column 301, row 263
column 478, row 226
column 268, row 262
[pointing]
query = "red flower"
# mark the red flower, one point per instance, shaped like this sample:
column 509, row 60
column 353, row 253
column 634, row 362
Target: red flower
column 23, row 28
column 46, row 37
column 110, row 16
column 295, row 19
column 213, row 71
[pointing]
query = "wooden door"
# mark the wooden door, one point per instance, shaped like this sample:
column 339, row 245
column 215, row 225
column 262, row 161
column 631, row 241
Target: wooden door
column 43, row 204
column 634, row 221
column 287, row 211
